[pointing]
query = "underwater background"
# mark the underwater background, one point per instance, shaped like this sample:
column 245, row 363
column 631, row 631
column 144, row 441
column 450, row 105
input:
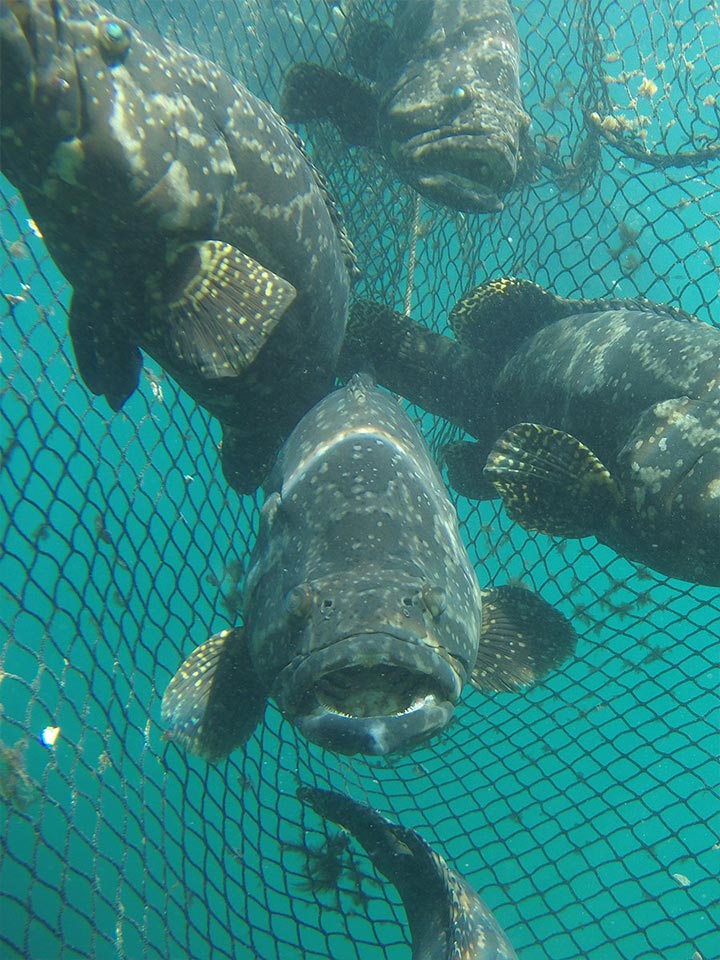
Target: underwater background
column 585, row 811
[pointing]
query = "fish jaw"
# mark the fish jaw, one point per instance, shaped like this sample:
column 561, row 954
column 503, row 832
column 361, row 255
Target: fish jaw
column 465, row 170
column 371, row 693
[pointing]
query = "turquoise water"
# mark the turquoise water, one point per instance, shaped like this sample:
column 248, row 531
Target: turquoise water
column 585, row 811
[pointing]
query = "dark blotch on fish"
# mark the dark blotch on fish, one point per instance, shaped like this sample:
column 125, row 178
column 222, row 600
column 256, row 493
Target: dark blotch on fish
column 186, row 216
column 447, row 919
column 592, row 417
column 364, row 618
column 440, row 96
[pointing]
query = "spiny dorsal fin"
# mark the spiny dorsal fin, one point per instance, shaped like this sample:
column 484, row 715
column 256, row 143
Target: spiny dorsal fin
column 498, row 315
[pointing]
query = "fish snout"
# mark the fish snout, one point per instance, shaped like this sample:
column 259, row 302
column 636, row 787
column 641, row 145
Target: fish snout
column 373, row 693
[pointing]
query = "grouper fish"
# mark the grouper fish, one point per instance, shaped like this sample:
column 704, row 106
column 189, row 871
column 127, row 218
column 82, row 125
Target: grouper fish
column 447, row 919
column 438, row 95
column 185, row 214
column 593, row 418
column 363, row 617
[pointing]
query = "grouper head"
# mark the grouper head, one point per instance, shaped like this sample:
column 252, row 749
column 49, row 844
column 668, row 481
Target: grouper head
column 377, row 668
column 90, row 114
column 450, row 122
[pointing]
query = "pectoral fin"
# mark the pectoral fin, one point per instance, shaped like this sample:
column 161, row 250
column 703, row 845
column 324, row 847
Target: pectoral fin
column 551, row 482
column 312, row 92
column 215, row 700
column 224, row 306
column 523, row 638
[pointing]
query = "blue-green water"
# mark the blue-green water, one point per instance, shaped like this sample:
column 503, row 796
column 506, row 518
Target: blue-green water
column 585, row 811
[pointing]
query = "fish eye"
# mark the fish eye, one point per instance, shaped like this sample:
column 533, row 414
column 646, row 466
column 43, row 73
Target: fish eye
column 460, row 94
column 434, row 600
column 114, row 39
column 299, row 602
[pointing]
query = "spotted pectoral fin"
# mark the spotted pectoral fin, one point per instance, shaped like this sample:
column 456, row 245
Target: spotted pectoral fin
column 523, row 638
column 216, row 699
column 551, row 482
column 108, row 362
column 312, row 92
column 465, row 462
column 223, row 307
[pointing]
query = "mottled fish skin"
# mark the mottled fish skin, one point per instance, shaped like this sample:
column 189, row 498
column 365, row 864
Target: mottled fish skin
column 639, row 385
column 155, row 178
column 451, row 119
column 444, row 105
column 363, row 610
column 447, row 919
column 363, row 618
column 643, row 393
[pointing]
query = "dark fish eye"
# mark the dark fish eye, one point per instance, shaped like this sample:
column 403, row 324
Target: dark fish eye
column 299, row 602
column 114, row 39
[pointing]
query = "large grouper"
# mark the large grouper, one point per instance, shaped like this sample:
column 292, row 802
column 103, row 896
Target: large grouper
column 363, row 617
column 185, row 214
column 437, row 91
column 447, row 918
column 591, row 417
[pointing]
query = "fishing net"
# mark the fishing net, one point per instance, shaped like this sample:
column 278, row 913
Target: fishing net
column 584, row 810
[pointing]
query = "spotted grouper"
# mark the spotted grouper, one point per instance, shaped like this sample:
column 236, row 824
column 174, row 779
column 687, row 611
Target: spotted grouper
column 185, row 214
column 363, row 615
column 447, row 919
column 439, row 95
column 592, row 417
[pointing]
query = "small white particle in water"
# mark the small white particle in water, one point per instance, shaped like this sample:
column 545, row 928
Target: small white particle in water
column 49, row 736
column 681, row 879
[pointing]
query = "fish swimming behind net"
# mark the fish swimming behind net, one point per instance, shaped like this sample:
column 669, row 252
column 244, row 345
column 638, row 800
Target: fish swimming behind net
column 447, row 919
column 185, row 214
column 439, row 96
column 364, row 619
column 592, row 417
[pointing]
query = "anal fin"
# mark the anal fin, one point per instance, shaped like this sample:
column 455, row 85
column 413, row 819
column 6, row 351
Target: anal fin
column 108, row 362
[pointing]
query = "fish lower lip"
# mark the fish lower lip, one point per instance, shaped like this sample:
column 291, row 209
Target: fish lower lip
column 371, row 693
column 460, row 192
column 381, row 735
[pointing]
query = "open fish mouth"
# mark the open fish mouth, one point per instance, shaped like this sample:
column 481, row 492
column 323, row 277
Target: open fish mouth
column 371, row 693
column 469, row 169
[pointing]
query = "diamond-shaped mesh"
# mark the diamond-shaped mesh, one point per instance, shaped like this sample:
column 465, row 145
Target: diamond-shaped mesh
column 585, row 810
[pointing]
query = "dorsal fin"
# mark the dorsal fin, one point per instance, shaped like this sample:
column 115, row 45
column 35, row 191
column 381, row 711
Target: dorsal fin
column 495, row 317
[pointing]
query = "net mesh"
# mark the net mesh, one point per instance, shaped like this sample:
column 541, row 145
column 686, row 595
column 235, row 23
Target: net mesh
column 585, row 810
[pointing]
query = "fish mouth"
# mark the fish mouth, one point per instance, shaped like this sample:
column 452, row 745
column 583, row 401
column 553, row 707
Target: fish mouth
column 462, row 168
column 371, row 693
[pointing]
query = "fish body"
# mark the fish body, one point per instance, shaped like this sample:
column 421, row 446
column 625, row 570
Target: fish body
column 593, row 418
column 447, row 918
column 363, row 617
column 362, row 604
column 186, row 216
column 444, row 105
